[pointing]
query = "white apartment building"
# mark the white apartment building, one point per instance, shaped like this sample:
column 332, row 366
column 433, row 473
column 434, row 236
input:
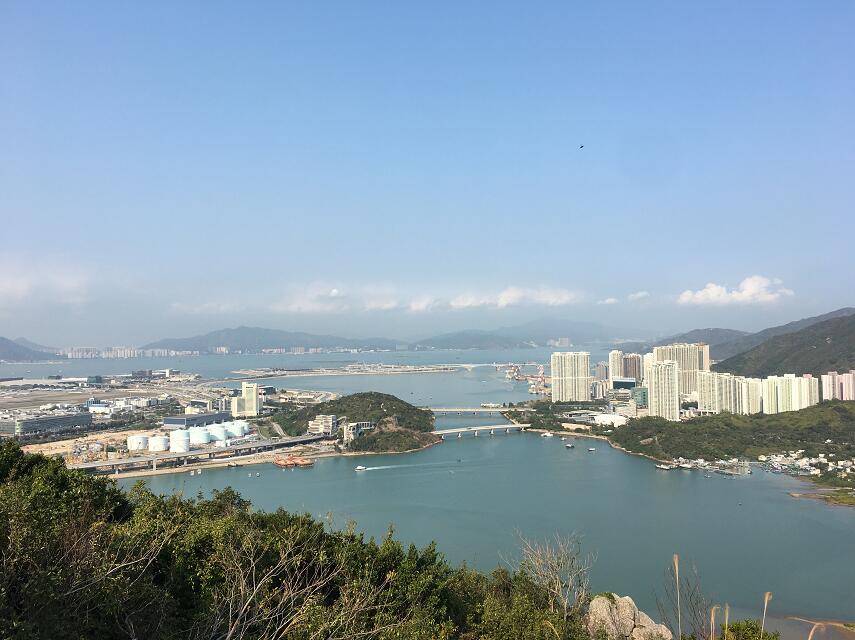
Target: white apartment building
column 789, row 393
column 647, row 361
column 664, row 390
column 247, row 404
column 838, row 386
column 690, row 358
column 724, row 392
column 571, row 376
column 324, row 425
column 633, row 367
column 615, row 365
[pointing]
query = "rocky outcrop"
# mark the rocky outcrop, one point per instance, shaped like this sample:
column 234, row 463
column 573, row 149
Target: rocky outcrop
column 619, row 619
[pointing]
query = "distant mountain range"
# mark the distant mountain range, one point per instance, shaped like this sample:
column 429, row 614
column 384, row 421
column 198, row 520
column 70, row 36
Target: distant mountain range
column 35, row 346
column 726, row 343
column 13, row 351
column 817, row 348
column 257, row 338
column 744, row 343
column 536, row 333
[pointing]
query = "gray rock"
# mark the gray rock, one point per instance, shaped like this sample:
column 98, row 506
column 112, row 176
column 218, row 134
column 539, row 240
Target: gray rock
column 619, row 619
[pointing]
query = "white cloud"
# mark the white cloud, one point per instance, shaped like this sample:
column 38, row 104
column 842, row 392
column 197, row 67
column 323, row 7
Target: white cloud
column 421, row 304
column 314, row 299
column 638, row 295
column 513, row 296
column 752, row 290
column 608, row 301
column 381, row 304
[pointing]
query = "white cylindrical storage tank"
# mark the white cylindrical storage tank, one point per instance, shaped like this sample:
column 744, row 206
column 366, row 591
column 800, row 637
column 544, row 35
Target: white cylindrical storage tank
column 217, row 432
column 179, row 441
column 158, row 443
column 236, row 429
column 136, row 444
column 199, row 435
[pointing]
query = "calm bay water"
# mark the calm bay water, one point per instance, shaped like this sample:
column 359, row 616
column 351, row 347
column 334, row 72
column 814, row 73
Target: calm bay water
column 473, row 495
column 745, row 535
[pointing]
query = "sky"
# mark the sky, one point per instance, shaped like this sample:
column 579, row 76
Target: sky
column 405, row 169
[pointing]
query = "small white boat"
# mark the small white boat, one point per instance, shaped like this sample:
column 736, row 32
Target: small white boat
column 665, row 467
column 257, row 475
column 570, row 446
column 192, row 472
column 546, row 434
column 249, row 475
column 361, row 468
column 686, row 465
column 592, row 449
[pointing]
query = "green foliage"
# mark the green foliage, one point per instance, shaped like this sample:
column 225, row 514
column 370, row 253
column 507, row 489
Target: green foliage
column 82, row 559
column 748, row 630
column 726, row 435
column 817, row 349
column 379, row 408
column 395, row 440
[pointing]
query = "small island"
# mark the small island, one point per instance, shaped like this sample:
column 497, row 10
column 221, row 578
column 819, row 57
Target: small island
column 398, row 425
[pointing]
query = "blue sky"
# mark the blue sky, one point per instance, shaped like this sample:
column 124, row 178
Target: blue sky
column 402, row 168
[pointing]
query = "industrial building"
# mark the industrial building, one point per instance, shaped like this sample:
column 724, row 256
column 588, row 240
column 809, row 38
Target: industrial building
column 29, row 425
column 195, row 420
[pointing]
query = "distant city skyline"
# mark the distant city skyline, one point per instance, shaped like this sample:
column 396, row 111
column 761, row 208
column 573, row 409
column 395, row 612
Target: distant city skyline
column 403, row 171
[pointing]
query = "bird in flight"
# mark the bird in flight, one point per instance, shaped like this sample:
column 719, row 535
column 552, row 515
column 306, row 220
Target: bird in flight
column 581, row 146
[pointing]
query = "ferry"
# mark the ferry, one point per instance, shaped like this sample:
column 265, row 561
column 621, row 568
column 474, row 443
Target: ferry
column 570, row 446
column 592, row 449
column 361, row 468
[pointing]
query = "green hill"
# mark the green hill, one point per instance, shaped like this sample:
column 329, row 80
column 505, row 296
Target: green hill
column 822, row 347
column 741, row 344
column 726, row 435
column 14, row 352
column 400, row 425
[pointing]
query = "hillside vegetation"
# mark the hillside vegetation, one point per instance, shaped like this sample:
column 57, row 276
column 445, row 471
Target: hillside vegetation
column 822, row 347
column 745, row 343
column 83, row 559
column 731, row 436
column 400, row 425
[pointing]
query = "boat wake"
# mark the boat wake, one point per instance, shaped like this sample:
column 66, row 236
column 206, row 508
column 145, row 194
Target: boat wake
column 407, row 466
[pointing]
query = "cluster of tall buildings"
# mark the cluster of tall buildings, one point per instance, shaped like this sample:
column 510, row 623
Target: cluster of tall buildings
column 673, row 373
column 838, row 386
column 88, row 353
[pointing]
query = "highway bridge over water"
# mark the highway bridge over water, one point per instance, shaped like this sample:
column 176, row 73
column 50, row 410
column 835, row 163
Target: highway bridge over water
column 487, row 410
column 491, row 429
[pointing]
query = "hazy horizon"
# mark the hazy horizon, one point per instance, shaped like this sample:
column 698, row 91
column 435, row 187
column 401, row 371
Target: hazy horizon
column 404, row 171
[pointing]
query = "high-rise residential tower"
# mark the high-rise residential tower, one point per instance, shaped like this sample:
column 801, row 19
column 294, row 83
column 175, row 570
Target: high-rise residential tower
column 615, row 365
column 571, row 376
column 690, row 358
column 663, row 390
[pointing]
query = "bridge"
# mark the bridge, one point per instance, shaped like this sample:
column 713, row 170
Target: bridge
column 475, row 409
column 492, row 429
column 178, row 459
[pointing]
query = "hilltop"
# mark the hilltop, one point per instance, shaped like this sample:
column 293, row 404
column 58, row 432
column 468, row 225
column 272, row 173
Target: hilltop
column 14, row 352
column 822, row 347
column 400, row 425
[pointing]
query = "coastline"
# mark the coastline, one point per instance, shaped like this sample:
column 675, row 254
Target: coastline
column 258, row 458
